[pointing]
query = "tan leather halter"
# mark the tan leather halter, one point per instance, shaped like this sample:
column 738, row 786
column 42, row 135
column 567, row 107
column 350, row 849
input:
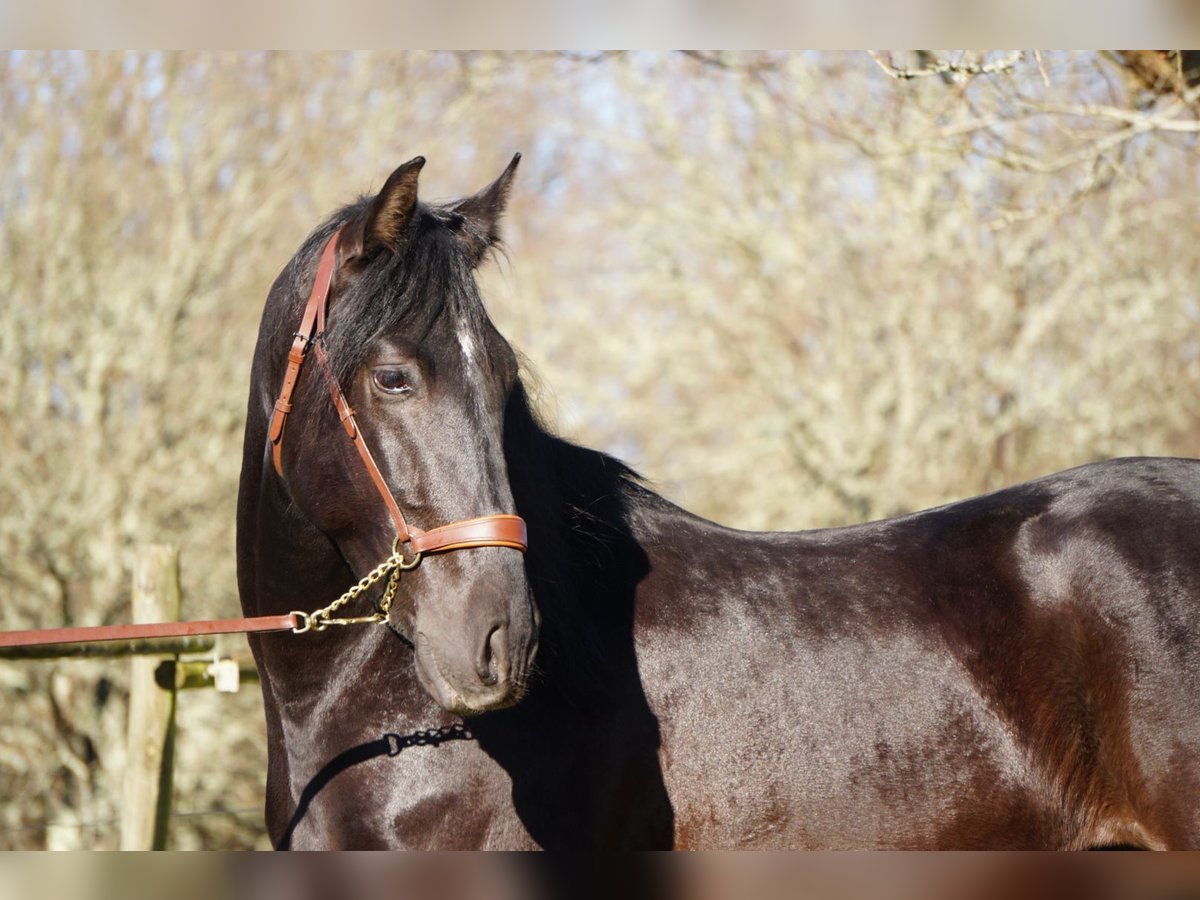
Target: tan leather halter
column 485, row 531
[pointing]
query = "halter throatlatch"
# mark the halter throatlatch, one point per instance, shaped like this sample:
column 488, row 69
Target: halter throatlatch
column 485, row 531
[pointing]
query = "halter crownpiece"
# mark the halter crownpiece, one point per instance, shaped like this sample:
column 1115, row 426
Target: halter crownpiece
column 486, row 531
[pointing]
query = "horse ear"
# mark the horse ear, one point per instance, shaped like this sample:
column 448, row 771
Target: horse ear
column 483, row 210
column 386, row 221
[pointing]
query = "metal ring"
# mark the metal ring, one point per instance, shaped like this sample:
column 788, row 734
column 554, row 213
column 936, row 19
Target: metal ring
column 305, row 622
column 402, row 564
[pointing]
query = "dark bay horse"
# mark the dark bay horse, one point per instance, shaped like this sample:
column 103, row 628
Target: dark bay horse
column 1019, row 670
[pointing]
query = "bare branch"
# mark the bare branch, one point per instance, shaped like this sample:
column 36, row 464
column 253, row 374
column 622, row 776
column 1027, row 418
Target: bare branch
column 588, row 58
column 1037, row 56
column 946, row 67
column 1140, row 121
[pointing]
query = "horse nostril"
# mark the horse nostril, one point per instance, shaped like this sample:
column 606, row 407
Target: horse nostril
column 493, row 658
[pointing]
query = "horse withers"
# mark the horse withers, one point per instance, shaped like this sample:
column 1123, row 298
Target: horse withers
column 1017, row 670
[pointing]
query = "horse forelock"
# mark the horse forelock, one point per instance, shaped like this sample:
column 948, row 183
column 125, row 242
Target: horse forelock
column 403, row 294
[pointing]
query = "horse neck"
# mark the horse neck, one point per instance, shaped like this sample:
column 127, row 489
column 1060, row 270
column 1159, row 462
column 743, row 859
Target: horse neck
column 595, row 533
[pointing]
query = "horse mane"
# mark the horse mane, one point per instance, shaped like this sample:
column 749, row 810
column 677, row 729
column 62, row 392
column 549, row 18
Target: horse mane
column 584, row 562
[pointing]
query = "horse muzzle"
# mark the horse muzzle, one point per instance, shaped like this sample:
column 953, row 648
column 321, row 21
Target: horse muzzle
column 470, row 683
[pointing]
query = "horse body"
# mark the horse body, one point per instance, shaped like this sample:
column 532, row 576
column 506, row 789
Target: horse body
column 999, row 672
column 1017, row 670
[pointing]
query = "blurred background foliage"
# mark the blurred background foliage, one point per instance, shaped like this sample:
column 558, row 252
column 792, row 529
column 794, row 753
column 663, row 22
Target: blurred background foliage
column 794, row 290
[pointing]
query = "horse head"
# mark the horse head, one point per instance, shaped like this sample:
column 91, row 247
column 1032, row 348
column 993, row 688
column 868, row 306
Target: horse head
column 416, row 359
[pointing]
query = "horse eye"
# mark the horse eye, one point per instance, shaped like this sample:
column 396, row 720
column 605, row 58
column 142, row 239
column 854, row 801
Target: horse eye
column 392, row 381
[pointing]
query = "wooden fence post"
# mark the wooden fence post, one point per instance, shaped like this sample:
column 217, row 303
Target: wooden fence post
column 146, row 807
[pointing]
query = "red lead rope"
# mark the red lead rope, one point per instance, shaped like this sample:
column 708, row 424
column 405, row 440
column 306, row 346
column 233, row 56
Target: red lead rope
column 155, row 630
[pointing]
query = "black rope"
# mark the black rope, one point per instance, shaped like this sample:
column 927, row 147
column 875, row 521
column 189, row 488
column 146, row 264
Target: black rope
column 388, row 745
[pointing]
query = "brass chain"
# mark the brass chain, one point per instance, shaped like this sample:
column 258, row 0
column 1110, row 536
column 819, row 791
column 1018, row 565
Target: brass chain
column 320, row 619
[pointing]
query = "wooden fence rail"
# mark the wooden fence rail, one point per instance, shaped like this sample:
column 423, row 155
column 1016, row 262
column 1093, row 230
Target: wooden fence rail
column 108, row 649
column 153, row 689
